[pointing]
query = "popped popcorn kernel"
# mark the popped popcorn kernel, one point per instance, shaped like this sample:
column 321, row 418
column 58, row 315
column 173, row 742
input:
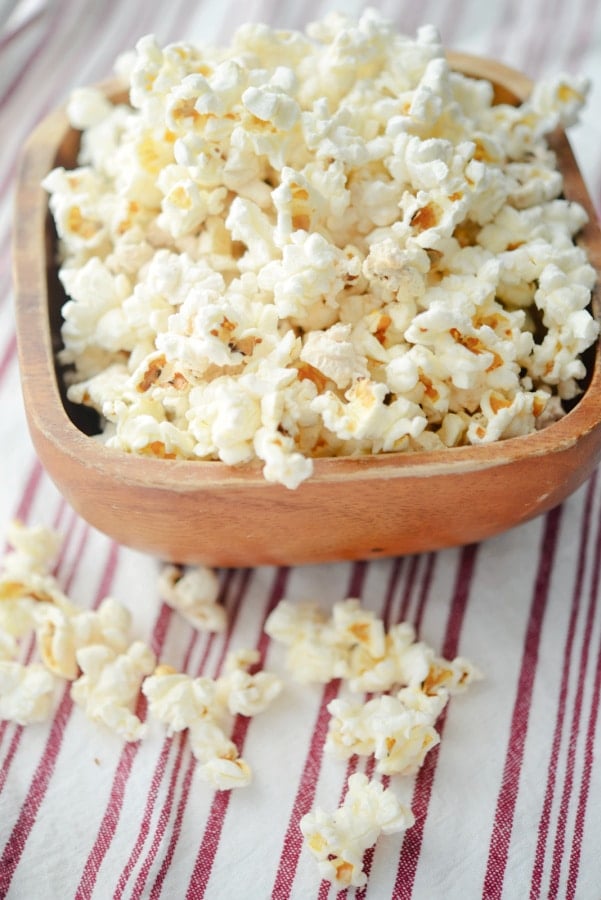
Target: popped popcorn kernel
column 343, row 186
column 194, row 594
column 224, row 773
column 109, row 686
column 338, row 840
column 398, row 736
column 26, row 692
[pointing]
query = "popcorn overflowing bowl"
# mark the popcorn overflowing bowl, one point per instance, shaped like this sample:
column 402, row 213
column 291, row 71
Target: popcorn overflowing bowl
column 358, row 505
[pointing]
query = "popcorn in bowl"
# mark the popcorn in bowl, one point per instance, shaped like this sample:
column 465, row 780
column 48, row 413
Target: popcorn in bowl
column 319, row 244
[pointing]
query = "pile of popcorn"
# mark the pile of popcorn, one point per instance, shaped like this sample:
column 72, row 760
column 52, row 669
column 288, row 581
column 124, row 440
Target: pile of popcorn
column 93, row 651
column 318, row 244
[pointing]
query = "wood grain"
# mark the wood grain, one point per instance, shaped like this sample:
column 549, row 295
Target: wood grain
column 207, row 512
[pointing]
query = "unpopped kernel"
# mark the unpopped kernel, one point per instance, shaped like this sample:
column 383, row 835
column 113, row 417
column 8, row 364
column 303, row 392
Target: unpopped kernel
column 318, row 244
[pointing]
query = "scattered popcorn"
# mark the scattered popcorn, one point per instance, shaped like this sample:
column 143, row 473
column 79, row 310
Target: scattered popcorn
column 340, row 839
column 201, row 705
column 407, row 683
column 27, row 586
column 194, row 594
column 408, row 686
column 26, row 692
column 353, row 644
column 320, row 244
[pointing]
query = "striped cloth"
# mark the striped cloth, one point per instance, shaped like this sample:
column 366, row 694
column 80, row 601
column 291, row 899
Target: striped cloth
column 509, row 804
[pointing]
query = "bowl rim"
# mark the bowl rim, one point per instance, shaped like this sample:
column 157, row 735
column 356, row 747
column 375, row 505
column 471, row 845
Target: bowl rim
column 49, row 420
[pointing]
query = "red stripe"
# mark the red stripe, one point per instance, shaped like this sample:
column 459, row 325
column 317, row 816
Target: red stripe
column 181, row 808
column 392, row 587
column 413, row 838
column 585, row 33
column 165, row 812
column 545, row 26
column 15, row 845
column 589, row 762
column 37, row 790
column 425, row 591
column 35, row 54
column 409, row 588
column 304, row 799
column 371, row 762
column 176, row 827
column 423, row 598
column 32, row 484
column 212, row 833
column 8, row 357
column 503, row 821
column 16, row 30
column 560, row 833
column 160, row 830
column 545, row 819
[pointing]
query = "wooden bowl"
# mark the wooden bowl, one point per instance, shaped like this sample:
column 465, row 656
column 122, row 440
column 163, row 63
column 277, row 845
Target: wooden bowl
column 352, row 508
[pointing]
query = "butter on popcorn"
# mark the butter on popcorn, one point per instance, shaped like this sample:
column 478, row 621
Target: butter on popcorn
column 338, row 840
column 343, row 187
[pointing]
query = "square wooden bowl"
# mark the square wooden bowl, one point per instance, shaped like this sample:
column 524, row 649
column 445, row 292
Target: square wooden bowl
column 351, row 508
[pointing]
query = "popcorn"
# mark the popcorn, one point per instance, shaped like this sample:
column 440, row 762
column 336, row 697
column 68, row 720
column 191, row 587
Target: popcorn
column 339, row 840
column 225, row 774
column 61, row 635
column 194, row 594
column 408, row 687
column 343, row 187
column 352, row 644
column 398, row 737
column 109, row 686
column 248, row 694
column 27, row 587
column 26, row 692
column 201, row 705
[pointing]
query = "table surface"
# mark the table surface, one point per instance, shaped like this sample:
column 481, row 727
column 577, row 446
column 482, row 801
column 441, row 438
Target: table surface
column 509, row 804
